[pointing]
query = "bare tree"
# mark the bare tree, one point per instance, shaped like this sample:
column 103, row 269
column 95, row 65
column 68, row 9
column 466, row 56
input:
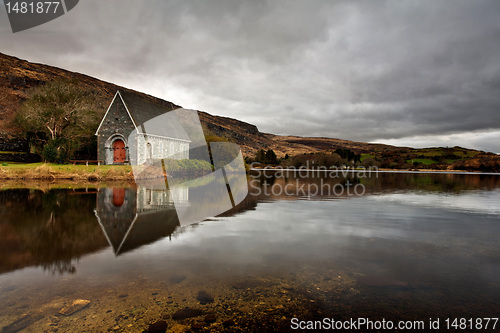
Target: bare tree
column 59, row 111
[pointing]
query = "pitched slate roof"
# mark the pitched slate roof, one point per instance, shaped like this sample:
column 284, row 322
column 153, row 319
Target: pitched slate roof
column 150, row 115
column 144, row 108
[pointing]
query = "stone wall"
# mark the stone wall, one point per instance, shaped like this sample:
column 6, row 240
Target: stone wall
column 17, row 150
column 22, row 158
column 17, row 145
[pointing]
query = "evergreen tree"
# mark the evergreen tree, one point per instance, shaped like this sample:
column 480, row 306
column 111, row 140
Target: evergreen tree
column 271, row 157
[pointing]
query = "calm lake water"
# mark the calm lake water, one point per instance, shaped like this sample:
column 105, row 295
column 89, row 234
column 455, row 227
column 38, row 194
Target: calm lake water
column 387, row 246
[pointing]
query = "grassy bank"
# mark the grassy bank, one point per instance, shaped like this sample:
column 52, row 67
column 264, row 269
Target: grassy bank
column 62, row 184
column 93, row 173
column 48, row 171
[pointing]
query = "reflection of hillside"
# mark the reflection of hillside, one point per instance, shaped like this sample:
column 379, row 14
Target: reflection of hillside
column 271, row 185
column 53, row 228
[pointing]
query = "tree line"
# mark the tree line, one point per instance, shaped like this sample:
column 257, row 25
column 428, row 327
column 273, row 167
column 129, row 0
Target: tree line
column 339, row 157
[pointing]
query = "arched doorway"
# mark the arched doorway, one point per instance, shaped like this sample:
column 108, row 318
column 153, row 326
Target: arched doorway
column 119, row 152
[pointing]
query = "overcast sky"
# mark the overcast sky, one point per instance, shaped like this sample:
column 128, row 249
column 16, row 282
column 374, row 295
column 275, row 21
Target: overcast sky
column 414, row 73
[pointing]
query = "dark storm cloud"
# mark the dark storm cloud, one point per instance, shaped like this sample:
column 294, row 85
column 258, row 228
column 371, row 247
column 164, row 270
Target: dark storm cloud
column 361, row 70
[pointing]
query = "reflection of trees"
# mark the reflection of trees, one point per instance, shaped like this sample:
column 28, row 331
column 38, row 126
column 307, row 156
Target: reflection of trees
column 55, row 228
column 51, row 229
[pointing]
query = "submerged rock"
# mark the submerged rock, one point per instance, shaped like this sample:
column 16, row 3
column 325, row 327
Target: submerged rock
column 210, row 318
column 228, row 322
column 196, row 327
column 186, row 313
column 204, row 297
column 158, row 327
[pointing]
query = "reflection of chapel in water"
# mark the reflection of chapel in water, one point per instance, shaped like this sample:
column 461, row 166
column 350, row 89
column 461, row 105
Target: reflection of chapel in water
column 132, row 217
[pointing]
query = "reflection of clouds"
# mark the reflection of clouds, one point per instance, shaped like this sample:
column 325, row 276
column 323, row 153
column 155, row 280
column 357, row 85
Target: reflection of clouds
column 204, row 201
column 473, row 202
column 353, row 229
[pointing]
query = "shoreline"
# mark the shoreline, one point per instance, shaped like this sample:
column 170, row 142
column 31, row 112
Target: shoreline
column 66, row 172
column 368, row 170
column 38, row 175
column 94, row 174
column 62, row 184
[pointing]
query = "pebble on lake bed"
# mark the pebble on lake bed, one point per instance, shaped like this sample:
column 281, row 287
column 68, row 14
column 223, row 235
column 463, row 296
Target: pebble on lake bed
column 77, row 305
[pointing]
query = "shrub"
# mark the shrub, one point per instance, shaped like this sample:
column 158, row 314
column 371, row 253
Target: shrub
column 56, row 151
column 50, row 153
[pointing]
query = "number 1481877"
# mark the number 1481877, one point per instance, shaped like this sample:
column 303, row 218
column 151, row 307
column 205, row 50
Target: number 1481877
column 40, row 7
column 471, row 323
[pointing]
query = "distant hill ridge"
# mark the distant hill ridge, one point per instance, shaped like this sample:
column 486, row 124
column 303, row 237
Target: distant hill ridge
column 17, row 76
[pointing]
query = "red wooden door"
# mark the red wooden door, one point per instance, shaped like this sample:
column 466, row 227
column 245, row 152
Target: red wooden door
column 118, row 151
column 118, row 196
